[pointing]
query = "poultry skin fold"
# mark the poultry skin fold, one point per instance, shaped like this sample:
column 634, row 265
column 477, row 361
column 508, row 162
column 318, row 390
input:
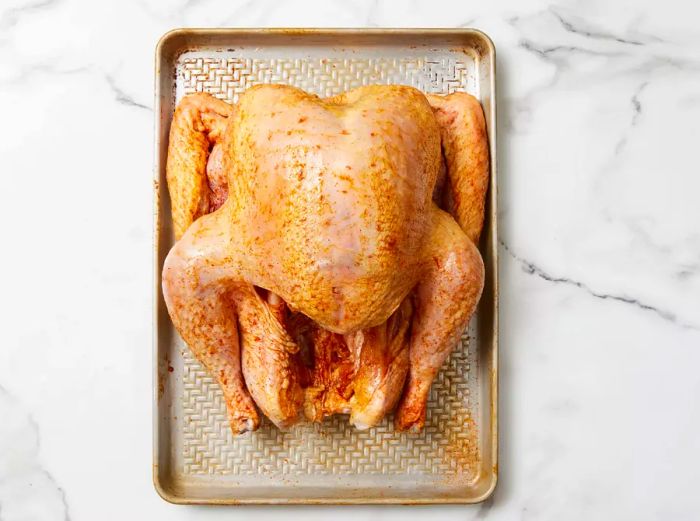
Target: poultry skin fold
column 314, row 270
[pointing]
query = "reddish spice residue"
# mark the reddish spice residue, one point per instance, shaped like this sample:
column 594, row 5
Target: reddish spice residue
column 302, row 119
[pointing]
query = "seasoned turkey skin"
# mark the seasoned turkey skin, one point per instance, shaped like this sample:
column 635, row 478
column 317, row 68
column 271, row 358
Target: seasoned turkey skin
column 335, row 196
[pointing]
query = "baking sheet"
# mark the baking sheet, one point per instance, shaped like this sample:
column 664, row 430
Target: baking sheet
column 196, row 457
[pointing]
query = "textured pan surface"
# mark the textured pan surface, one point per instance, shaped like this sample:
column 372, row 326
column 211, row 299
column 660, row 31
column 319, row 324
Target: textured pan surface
column 196, row 458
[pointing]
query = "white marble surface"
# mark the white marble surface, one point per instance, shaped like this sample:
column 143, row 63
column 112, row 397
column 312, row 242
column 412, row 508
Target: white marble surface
column 599, row 108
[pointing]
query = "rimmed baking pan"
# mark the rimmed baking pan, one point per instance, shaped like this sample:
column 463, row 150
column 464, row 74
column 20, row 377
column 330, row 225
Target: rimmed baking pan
column 196, row 458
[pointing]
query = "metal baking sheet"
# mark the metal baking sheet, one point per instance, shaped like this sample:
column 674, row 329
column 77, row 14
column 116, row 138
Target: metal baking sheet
column 196, row 458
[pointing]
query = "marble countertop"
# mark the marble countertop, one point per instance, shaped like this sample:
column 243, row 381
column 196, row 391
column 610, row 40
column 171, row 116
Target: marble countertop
column 599, row 129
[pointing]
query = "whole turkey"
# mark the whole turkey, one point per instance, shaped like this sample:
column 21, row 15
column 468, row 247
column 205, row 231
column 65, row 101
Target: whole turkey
column 326, row 259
